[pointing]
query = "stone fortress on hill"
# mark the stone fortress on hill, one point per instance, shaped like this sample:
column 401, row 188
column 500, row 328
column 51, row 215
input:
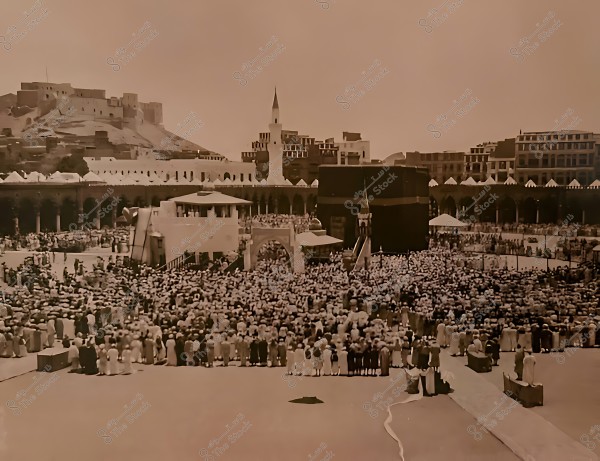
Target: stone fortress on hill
column 119, row 112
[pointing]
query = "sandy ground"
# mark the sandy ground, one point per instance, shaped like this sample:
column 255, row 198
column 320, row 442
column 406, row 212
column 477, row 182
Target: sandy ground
column 188, row 407
column 571, row 396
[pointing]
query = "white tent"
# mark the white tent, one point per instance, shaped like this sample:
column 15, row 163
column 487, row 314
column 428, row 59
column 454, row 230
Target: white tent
column 57, row 176
column 468, row 182
column 574, row 184
column 14, row 177
column 315, row 183
column 450, row 181
column 302, row 183
column 552, row 183
column 489, row 181
column 530, row 183
column 433, row 183
column 287, row 182
column 92, row 177
column 309, row 239
column 595, row 184
column 445, row 220
column 34, row 176
column 217, row 182
column 510, row 181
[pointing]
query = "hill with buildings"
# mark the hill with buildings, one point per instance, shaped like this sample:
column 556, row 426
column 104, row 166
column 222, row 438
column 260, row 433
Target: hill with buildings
column 45, row 122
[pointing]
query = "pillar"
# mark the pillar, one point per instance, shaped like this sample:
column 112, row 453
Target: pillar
column 291, row 211
column 276, row 205
column 517, row 213
column 17, row 223
column 113, row 218
column 582, row 216
column 80, row 217
column 58, row 220
column 537, row 213
column 304, row 201
column 37, row 221
column 497, row 214
column 267, row 206
column 98, row 219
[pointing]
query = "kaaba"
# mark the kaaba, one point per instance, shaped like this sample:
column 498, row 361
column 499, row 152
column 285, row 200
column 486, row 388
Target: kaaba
column 398, row 201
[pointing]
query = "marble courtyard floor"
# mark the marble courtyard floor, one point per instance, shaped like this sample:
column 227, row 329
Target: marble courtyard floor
column 180, row 410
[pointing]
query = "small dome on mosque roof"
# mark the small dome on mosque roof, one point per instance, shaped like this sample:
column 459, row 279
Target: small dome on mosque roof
column 315, row 224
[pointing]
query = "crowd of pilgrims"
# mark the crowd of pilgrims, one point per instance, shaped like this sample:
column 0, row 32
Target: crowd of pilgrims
column 77, row 241
column 326, row 321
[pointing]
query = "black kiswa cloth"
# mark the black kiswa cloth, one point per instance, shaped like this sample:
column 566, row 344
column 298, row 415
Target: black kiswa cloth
column 307, row 400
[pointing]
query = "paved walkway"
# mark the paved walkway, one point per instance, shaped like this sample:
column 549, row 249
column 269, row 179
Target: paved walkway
column 11, row 368
column 527, row 434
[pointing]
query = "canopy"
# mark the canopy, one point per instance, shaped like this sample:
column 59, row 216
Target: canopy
column 309, row 239
column 445, row 220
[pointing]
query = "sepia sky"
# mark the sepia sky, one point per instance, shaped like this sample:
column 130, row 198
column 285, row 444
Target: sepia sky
column 420, row 65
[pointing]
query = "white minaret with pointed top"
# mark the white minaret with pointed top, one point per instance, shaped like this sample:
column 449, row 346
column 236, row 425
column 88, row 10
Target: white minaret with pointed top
column 275, row 147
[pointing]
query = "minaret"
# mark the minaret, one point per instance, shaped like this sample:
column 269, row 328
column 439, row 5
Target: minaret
column 275, row 147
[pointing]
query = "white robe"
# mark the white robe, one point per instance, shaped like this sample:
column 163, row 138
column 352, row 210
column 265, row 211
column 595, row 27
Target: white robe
column 454, row 343
column 441, row 335
column 528, row 369
column 299, row 360
column 171, row 354
column 113, row 364
column 127, row 362
column 343, row 363
column 327, row 362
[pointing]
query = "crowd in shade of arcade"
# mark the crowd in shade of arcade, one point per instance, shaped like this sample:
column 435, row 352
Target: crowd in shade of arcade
column 397, row 313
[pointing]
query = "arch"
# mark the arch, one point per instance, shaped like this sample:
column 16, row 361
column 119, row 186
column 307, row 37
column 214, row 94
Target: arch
column 262, row 204
column 48, row 212
column 433, row 208
column 68, row 214
column 508, row 210
column 449, row 206
column 226, row 175
column 549, row 210
column 529, row 208
column 90, row 208
column 298, row 205
column 7, row 210
column 311, row 203
column 466, row 209
column 26, row 215
column 254, row 206
column 283, row 204
column 262, row 236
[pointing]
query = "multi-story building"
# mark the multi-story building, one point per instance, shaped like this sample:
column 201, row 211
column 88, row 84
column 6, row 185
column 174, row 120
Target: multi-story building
column 302, row 154
column 441, row 165
column 476, row 160
column 352, row 150
column 560, row 155
column 501, row 162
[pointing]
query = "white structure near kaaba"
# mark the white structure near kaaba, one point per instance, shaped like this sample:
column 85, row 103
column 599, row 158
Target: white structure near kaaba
column 204, row 224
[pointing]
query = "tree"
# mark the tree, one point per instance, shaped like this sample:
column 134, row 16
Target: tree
column 72, row 164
